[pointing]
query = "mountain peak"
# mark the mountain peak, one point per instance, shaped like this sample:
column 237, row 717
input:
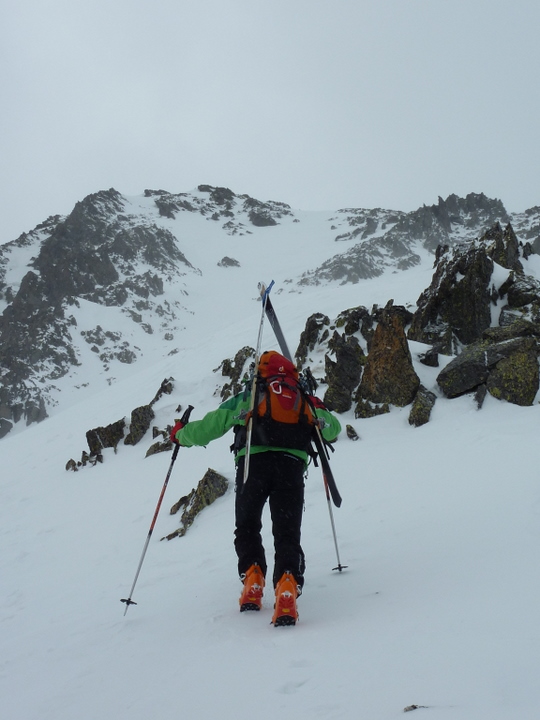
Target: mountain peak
column 127, row 266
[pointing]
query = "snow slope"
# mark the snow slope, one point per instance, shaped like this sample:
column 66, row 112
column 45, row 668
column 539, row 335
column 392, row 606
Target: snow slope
column 440, row 529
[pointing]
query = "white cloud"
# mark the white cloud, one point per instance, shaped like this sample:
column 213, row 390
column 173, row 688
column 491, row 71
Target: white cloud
column 319, row 104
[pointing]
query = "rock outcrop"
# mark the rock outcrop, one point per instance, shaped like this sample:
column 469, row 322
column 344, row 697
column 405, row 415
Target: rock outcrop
column 211, row 487
column 392, row 239
column 227, row 261
column 116, row 257
column 109, row 436
column 422, row 406
column 389, row 376
column 315, row 332
column 456, row 308
column 97, row 255
column 237, row 370
column 141, row 419
column 508, row 369
column 503, row 247
column 343, row 373
column 105, row 437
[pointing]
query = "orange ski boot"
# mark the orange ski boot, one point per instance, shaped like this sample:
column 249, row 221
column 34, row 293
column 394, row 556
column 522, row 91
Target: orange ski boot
column 251, row 598
column 287, row 590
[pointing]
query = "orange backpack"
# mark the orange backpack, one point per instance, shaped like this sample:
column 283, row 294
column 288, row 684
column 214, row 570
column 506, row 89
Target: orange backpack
column 282, row 414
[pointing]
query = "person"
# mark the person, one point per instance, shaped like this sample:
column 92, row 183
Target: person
column 276, row 474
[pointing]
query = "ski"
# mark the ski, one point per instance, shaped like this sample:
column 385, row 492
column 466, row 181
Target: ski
column 276, row 327
column 264, row 292
column 318, row 439
column 326, row 469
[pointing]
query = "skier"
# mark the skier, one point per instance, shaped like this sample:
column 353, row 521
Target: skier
column 276, row 473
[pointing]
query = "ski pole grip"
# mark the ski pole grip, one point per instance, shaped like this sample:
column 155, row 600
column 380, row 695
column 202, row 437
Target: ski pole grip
column 185, row 417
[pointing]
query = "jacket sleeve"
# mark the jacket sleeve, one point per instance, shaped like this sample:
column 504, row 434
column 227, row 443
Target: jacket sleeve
column 332, row 426
column 213, row 425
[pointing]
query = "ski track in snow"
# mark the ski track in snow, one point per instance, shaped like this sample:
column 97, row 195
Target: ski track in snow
column 439, row 527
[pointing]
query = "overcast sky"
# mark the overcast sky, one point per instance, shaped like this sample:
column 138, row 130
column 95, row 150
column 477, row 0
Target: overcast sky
column 321, row 104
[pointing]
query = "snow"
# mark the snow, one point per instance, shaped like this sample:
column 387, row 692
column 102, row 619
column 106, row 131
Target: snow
column 499, row 276
column 439, row 528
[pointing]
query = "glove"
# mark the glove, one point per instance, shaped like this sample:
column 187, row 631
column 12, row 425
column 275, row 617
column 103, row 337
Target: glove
column 178, row 426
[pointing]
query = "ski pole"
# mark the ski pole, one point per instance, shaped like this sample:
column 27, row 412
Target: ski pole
column 264, row 298
column 330, row 491
column 339, row 566
column 129, row 601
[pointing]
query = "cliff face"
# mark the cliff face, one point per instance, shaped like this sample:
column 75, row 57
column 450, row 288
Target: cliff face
column 96, row 255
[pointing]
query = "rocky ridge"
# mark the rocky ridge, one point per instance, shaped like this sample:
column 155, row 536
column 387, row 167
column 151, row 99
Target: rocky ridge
column 60, row 282
column 395, row 240
column 481, row 307
column 105, row 254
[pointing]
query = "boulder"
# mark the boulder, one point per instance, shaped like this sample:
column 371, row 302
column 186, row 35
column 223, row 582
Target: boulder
column 520, row 290
column 521, row 327
column 141, row 419
column 227, row 261
column 166, row 388
column 457, row 304
column 508, row 368
column 515, row 378
column 354, row 320
column 351, row 433
column 480, row 395
column 422, row 406
column 158, row 447
column 365, row 409
column 5, row 427
column 260, row 218
column 105, row 437
column 235, row 369
column 465, row 372
column 503, row 247
column 343, row 374
column 430, row 358
column 389, row 375
column 34, row 410
column 315, row 331
column 211, row 487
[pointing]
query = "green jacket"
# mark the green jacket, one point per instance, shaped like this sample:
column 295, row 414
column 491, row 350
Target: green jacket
column 231, row 413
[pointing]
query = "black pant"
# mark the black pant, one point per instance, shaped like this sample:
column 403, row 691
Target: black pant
column 278, row 478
